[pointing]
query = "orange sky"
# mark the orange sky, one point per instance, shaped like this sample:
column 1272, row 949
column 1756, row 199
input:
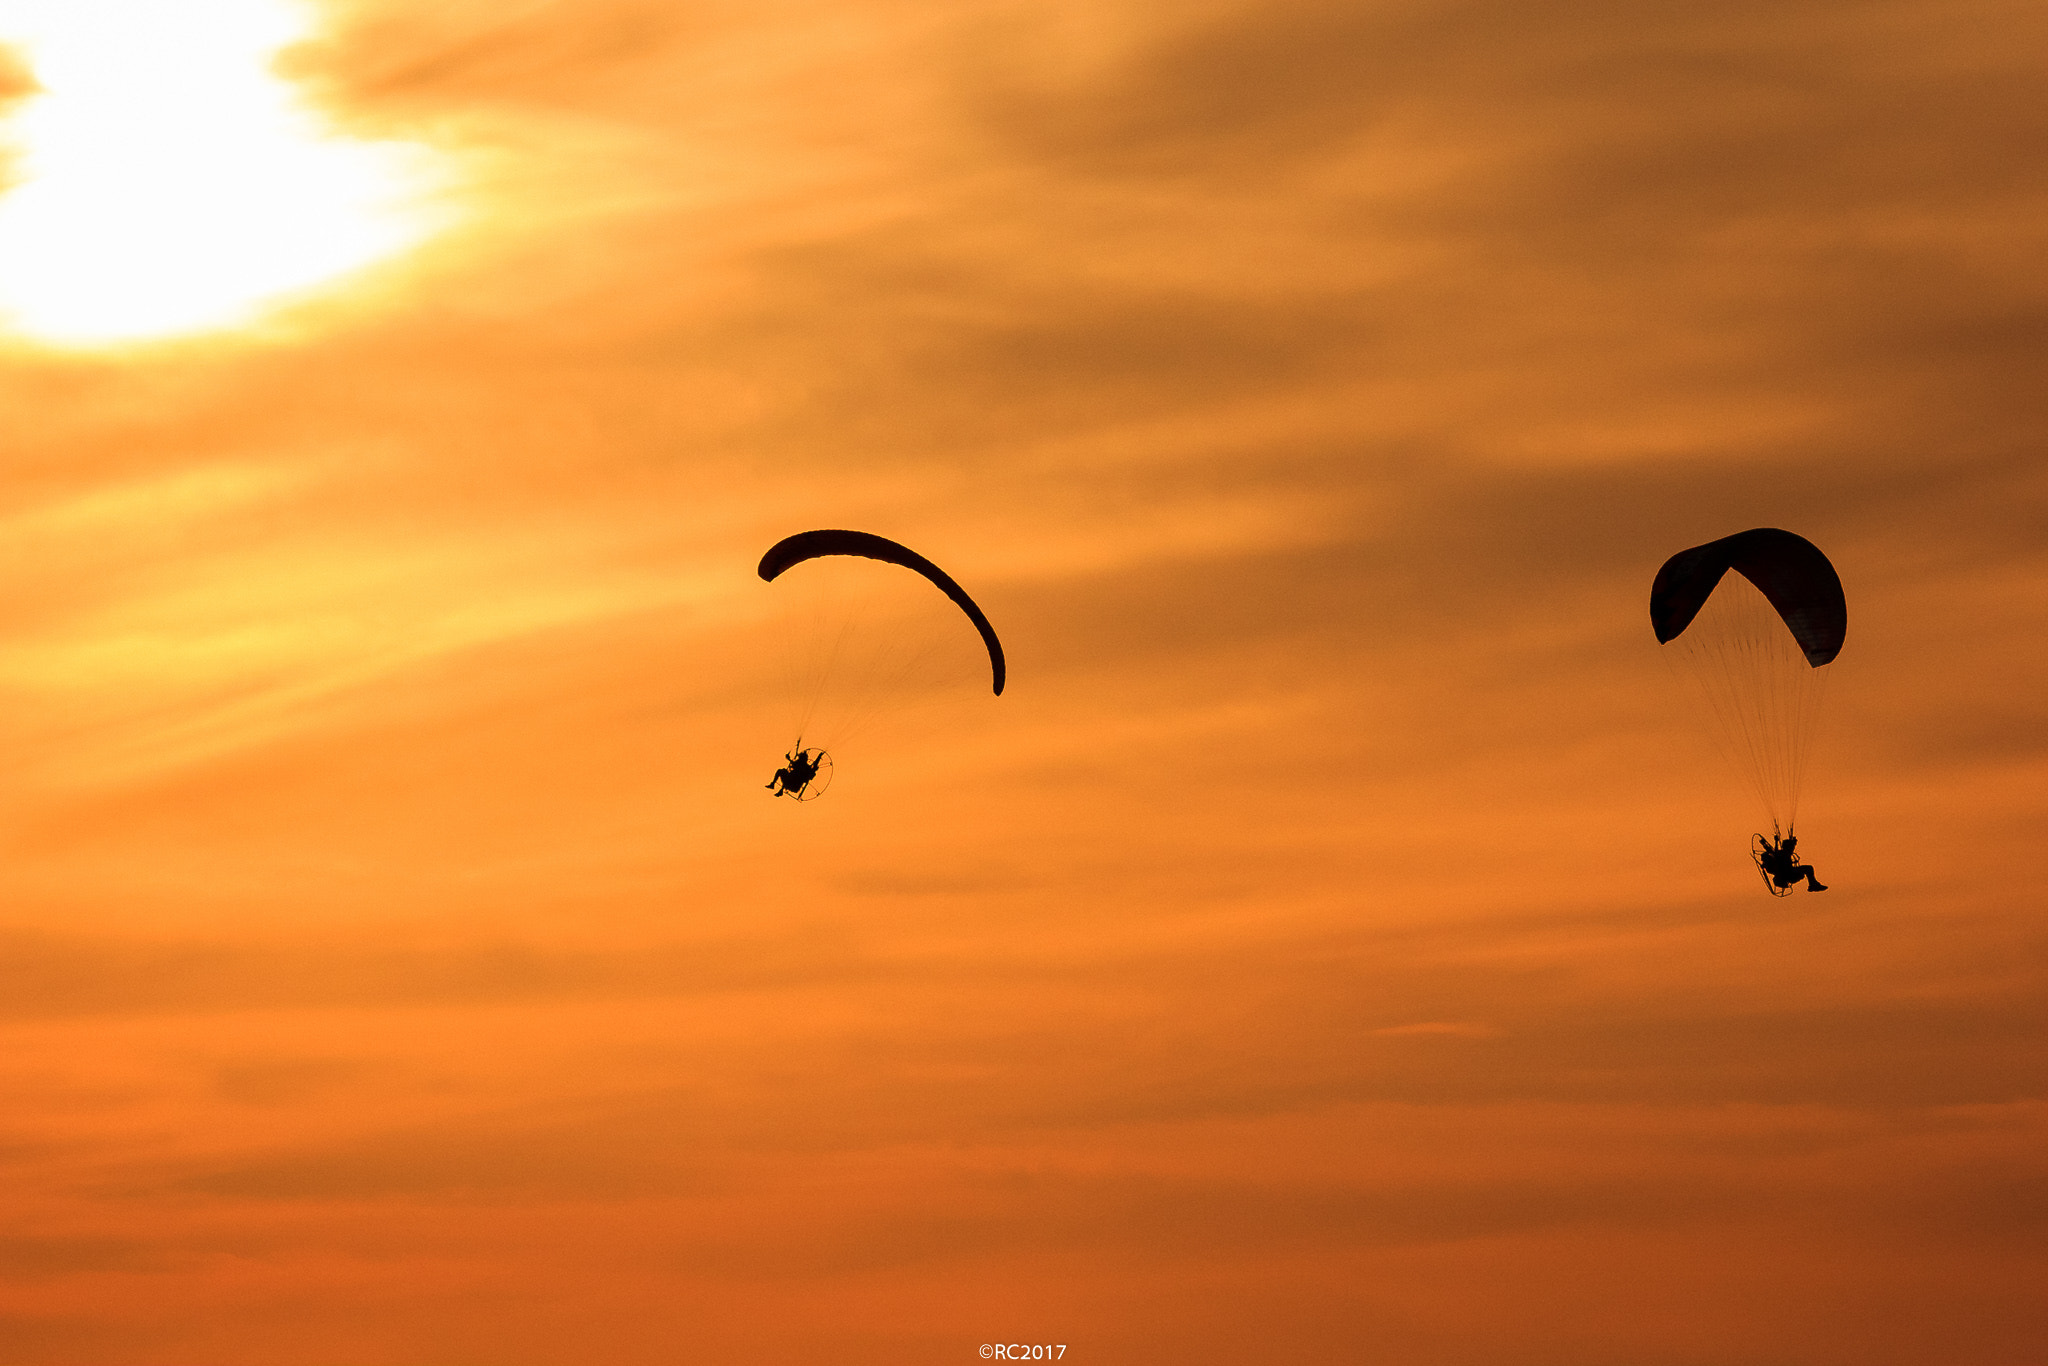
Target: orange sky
column 1336, row 945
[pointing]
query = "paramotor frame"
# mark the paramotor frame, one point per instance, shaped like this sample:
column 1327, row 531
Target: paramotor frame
column 821, row 780
column 1759, row 846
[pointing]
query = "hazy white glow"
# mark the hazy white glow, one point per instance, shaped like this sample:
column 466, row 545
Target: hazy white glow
column 166, row 180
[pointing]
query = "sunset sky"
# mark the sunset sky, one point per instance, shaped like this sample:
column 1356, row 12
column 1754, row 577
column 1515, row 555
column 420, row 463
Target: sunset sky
column 1338, row 944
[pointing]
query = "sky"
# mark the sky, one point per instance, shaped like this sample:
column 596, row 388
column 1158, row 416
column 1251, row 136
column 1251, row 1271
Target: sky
column 1338, row 942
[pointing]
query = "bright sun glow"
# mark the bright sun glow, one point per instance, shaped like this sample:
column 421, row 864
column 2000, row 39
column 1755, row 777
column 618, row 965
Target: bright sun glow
column 166, row 180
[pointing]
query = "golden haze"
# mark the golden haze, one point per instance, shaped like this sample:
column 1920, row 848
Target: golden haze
column 1335, row 945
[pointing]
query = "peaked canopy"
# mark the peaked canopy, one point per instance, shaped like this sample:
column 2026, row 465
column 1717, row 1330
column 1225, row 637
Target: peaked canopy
column 811, row 545
column 1788, row 570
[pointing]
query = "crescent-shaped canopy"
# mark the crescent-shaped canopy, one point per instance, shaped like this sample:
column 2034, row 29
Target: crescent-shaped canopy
column 811, row 545
column 1789, row 570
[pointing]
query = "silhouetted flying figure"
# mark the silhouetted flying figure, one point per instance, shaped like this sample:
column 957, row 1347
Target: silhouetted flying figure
column 800, row 766
column 1780, row 860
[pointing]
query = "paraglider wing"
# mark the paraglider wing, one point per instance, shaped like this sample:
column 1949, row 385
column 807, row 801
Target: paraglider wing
column 811, row 545
column 1789, row 570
